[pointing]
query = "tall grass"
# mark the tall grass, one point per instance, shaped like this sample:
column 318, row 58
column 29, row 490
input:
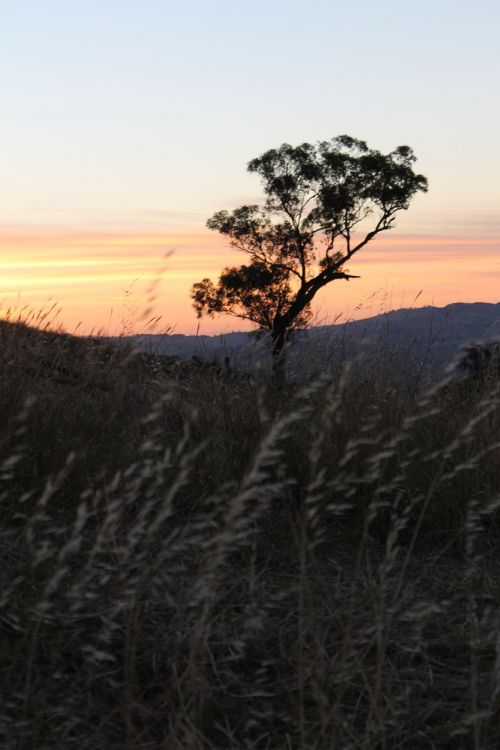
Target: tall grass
column 193, row 559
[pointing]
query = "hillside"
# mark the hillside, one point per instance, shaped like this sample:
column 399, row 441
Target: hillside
column 433, row 334
column 190, row 557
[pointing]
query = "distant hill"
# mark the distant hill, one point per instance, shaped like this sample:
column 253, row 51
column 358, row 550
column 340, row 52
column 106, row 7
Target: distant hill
column 431, row 334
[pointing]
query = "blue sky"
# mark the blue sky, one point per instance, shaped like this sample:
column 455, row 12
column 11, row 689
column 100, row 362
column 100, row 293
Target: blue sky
column 135, row 116
column 113, row 110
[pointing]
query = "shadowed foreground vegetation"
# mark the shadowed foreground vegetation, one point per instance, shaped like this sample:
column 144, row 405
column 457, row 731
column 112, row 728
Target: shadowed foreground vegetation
column 196, row 560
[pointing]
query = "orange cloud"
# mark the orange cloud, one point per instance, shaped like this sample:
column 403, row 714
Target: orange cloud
column 98, row 276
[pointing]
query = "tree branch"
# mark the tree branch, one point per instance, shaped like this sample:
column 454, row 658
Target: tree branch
column 382, row 226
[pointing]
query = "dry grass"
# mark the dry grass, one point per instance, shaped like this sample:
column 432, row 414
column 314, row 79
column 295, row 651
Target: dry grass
column 196, row 561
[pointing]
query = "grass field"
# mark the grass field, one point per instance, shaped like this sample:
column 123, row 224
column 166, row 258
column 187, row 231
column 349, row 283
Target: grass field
column 195, row 559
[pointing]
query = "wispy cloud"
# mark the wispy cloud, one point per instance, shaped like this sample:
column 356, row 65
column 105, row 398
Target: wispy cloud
column 87, row 271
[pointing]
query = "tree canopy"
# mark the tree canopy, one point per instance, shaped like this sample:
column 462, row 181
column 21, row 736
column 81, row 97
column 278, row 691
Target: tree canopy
column 323, row 204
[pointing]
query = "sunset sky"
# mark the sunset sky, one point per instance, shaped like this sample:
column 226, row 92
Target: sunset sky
column 125, row 125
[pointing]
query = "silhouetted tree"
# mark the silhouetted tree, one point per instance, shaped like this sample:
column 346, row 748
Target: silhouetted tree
column 319, row 199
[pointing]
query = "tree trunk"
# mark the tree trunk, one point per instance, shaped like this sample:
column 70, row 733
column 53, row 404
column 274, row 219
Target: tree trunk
column 278, row 337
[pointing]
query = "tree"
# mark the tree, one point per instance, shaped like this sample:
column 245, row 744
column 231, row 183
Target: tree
column 319, row 199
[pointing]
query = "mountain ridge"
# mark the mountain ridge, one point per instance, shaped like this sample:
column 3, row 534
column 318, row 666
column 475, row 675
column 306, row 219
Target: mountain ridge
column 437, row 333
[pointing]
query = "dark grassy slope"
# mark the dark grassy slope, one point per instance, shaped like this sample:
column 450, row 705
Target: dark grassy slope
column 194, row 559
column 434, row 335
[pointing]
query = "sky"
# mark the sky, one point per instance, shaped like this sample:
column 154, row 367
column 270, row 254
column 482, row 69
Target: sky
column 125, row 125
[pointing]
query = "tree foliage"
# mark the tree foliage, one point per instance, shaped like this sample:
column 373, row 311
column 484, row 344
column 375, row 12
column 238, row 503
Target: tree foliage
column 323, row 204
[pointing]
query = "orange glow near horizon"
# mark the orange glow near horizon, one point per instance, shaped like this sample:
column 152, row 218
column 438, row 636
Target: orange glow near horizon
column 116, row 281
